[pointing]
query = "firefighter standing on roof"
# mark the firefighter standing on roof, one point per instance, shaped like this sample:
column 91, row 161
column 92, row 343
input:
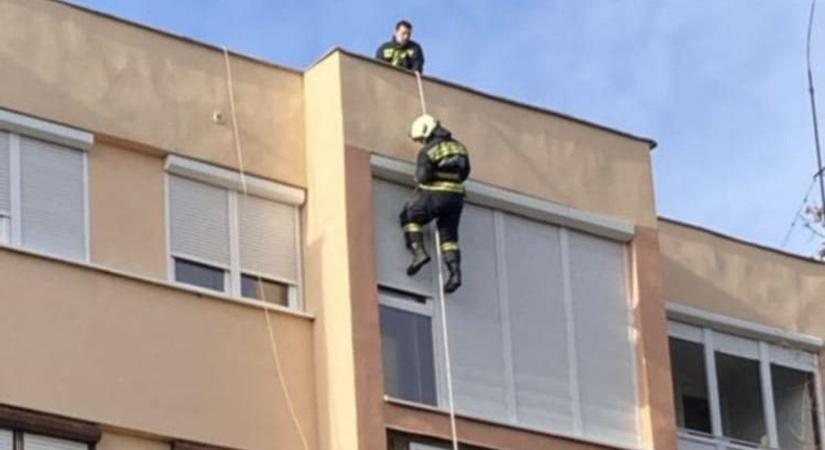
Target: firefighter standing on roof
column 443, row 165
column 401, row 51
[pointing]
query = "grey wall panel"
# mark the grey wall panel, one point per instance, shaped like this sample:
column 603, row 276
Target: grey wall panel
column 602, row 328
column 535, row 295
column 475, row 325
column 393, row 257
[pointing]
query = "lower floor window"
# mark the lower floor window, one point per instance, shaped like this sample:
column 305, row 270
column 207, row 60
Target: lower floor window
column 266, row 290
column 407, row 345
column 739, row 391
column 403, row 441
column 12, row 440
column 201, row 275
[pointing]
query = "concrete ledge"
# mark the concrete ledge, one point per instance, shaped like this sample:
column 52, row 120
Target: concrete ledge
column 483, row 194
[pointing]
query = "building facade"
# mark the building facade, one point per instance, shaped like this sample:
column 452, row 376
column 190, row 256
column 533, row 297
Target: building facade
column 201, row 250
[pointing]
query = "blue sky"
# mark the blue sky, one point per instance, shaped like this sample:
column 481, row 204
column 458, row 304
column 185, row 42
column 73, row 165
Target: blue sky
column 720, row 84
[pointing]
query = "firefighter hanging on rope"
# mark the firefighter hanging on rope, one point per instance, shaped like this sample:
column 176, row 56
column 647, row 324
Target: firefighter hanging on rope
column 442, row 166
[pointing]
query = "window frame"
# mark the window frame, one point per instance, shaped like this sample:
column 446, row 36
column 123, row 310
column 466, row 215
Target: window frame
column 232, row 183
column 754, row 342
column 388, row 298
column 502, row 202
column 19, row 126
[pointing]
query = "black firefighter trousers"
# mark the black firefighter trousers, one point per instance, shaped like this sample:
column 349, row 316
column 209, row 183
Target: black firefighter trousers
column 442, row 206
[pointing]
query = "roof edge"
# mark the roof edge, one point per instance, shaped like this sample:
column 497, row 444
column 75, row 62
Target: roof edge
column 741, row 241
column 650, row 142
column 176, row 36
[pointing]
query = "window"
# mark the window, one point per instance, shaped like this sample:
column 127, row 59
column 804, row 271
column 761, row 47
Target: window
column 539, row 332
column 403, row 441
column 690, row 385
column 26, row 441
column 43, row 192
column 742, row 391
column 794, row 392
column 223, row 240
column 407, row 345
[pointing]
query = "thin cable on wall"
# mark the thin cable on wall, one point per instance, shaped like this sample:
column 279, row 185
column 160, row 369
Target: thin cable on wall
column 272, row 341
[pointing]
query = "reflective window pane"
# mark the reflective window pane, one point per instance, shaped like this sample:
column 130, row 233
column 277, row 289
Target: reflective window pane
column 197, row 274
column 409, row 370
column 690, row 387
column 263, row 289
column 740, row 399
column 793, row 397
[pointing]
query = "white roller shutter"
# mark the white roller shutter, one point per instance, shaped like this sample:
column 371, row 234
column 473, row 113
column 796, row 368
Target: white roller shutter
column 6, row 440
column 393, row 258
column 52, row 198
column 199, row 220
column 5, row 182
column 538, row 329
column 604, row 358
column 480, row 380
column 36, row 442
column 267, row 237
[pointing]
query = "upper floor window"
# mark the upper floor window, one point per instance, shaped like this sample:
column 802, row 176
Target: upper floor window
column 540, row 332
column 740, row 391
column 43, row 187
column 222, row 239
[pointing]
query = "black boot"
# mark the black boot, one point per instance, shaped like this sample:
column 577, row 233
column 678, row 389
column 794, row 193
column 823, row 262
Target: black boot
column 453, row 262
column 415, row 243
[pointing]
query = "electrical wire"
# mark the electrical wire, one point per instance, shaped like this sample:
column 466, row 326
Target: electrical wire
column 272, row 341
column 798, row 214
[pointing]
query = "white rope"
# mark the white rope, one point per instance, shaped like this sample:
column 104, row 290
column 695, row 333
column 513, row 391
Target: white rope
column 236, row 136
column 450, row 401
column 421, row 92
column 272, row 342
column 274, row 347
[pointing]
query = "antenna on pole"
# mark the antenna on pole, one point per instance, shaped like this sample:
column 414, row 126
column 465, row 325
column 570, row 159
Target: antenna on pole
column 819, row 171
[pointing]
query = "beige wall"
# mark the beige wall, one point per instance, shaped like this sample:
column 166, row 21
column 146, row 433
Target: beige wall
column 117, row 441
column 715, row 273
column 67, row 65
column 150, row 358
column 326, row 262
column 512, row 147
column 127, row 213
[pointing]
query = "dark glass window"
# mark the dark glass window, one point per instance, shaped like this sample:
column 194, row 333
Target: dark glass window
column 740, row 399
column 793, row 397
column 198, row 274
column 407, row 343
column 263, row 289
column 690, row 386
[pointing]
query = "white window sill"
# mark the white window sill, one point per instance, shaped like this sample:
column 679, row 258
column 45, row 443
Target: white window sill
column 707, row 439
column 201, row 292
column 445, row 412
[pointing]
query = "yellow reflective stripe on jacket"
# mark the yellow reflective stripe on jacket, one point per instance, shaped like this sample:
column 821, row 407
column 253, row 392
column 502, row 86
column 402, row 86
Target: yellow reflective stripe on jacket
column 446, row 149
column 445, row 186
column 395, row 55
column 449, row 246
column 448, row 176
column 412, row 227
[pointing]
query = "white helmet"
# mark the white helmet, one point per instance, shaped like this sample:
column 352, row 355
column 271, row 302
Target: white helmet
column 423, row 127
